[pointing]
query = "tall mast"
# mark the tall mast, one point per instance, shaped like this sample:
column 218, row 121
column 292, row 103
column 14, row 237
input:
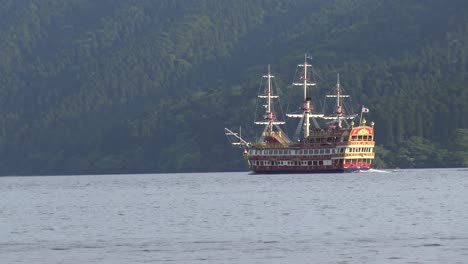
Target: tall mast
column 307, row 106
column 269, row 116
column 339, row 111
column 339, row 114
column 338, row 91
column 270, row 126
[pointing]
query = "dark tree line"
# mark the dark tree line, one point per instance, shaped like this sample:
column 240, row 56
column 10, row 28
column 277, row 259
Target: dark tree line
column 147, row 86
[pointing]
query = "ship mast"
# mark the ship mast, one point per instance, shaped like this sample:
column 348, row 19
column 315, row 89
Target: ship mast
column 269, row 116
column 307, row 108
column 269, row 76
column 339, row 109
column 269, row 119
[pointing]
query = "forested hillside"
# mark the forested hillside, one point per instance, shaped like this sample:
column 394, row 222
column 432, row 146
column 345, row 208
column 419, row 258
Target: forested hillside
column 122, row 86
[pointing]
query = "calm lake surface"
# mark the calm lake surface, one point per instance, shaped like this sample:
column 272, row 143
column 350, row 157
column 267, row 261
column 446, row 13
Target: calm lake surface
column 405, row 216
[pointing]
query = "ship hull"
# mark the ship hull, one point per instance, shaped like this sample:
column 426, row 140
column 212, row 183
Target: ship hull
column 298, row 171
column 305, row 171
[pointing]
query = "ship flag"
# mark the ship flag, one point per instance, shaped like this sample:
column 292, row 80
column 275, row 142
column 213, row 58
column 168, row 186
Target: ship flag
column 365, row 110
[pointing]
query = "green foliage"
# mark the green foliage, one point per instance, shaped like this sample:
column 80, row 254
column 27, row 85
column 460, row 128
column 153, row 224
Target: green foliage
column 382, row 158
column 147, row 86
column 418, row 152
column 460, row 153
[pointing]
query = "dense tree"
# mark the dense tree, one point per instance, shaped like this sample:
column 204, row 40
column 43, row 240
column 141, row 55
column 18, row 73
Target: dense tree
column 142, row 86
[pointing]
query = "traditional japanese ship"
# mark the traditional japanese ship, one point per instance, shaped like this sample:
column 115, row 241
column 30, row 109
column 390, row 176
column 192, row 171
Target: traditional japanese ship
column 338, row 145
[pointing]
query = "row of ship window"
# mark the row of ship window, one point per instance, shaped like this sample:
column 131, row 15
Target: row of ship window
column 361, row 138
column 305, row 151
column 355, row 161
column 294, row 152
column 306, row 162
column 360, row 149
column 290, row 162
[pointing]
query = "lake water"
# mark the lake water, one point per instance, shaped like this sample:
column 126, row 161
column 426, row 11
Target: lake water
column 407, row 216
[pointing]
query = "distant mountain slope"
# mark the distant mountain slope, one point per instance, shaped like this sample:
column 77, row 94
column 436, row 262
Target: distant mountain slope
column 147, row 86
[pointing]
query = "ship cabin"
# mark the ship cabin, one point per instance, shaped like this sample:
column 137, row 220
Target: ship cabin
column 360, row 148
